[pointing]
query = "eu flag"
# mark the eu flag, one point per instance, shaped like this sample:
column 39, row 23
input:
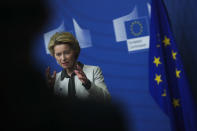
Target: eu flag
column 168, row 84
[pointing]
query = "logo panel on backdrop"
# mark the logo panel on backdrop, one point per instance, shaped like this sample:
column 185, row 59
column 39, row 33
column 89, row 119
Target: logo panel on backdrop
column 132, row 29
column 82, row 35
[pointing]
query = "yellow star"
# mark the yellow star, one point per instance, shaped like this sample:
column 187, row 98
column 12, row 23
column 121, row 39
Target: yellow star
column 166, row 41
column 174, row 55
column 178, row 73
column 156, row 61
column 158, row 79
column 164, row 93
column 176, row 102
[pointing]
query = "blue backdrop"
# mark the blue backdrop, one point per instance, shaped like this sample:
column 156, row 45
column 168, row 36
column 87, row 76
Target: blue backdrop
column 115, row 36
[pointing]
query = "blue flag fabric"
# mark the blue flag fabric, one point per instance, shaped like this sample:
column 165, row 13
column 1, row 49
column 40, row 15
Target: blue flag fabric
column 168, row 83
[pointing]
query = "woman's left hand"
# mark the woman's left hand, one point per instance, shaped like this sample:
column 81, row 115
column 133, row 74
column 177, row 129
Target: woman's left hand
column 81, row 75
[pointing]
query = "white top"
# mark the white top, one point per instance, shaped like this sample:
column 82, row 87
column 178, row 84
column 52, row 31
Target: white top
column 98, row 90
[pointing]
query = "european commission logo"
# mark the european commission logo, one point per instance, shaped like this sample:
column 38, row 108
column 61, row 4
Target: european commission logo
column 136, row 28
column 137, row 34
column 82, row 35
column 132, row 29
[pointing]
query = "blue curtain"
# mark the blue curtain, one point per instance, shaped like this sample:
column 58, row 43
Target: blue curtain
column 183, row 16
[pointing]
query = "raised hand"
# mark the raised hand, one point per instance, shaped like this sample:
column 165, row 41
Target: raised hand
column 81, row 75
column 50, row 78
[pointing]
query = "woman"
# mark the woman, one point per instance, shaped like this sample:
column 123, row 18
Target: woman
column 76, row 80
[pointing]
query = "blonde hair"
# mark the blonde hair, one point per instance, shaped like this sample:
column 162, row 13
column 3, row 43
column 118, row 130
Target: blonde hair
column 64, row 38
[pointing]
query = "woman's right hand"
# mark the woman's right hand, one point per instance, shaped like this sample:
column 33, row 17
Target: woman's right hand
column 50, row 78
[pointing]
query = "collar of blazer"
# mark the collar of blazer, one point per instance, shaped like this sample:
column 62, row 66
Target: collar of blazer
column 65, row 74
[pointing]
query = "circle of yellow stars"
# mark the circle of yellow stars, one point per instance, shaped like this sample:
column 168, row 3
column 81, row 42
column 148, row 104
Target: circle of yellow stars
column 132, row 29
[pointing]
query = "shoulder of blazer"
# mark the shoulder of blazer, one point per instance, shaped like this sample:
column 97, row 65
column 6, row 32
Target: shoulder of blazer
column 90, row 68
column 58, row 75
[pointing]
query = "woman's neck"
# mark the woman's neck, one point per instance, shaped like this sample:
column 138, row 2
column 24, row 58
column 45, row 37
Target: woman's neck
column 71, row 70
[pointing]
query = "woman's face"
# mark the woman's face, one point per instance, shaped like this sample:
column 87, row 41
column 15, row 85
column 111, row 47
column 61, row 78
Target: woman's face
column 65, row 56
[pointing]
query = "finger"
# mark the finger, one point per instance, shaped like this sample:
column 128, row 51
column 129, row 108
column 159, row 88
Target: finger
column 76, row 72
column 47, row 69
column 79, row 76
column 79, row 73
column 48, row 72
column 79, row 68
column 54, row 75
column 83, row 80
column 82, row 77
column 82, row 73
column 75, row 66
